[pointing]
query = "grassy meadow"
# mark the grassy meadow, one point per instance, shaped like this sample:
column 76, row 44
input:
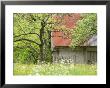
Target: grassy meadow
column 54, row 69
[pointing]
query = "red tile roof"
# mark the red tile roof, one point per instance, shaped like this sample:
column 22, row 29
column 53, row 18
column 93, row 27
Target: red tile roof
column 58, row 37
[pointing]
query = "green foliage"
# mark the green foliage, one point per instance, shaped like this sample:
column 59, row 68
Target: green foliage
column 24, row 69
column 55, row 69
column 27, row 27
column 85, row 28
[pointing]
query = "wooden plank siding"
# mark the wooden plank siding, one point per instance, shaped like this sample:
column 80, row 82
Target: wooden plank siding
column 80, row 55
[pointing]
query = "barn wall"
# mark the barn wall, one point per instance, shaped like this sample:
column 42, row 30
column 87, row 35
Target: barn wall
column 91, row 55
column 81, row 55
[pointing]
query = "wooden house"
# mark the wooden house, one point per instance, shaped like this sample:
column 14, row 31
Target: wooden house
column 83, row 54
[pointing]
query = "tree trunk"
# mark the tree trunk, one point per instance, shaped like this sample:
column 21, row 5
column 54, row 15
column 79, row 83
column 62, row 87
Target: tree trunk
column 41, row 40
column 49, row 44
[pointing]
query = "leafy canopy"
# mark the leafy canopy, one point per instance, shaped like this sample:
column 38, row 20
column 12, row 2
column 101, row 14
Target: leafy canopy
column 85, row 28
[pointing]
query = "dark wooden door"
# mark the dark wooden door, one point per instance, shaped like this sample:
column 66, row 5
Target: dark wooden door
column 91, row 57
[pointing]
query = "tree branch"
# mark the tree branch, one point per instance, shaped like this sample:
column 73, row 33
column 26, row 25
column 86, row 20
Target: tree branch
column 23, row 39
column 22, row 47
column 26, row 34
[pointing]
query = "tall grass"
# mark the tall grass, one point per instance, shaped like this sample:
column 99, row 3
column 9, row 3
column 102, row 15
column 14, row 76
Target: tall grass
column 55, row 69
column 23, row 69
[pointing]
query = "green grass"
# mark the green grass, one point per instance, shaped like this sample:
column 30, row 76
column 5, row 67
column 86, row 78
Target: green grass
column 54, row 69
column 23, row 69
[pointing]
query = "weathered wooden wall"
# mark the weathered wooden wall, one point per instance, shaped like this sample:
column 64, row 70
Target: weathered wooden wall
column 80, row 55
